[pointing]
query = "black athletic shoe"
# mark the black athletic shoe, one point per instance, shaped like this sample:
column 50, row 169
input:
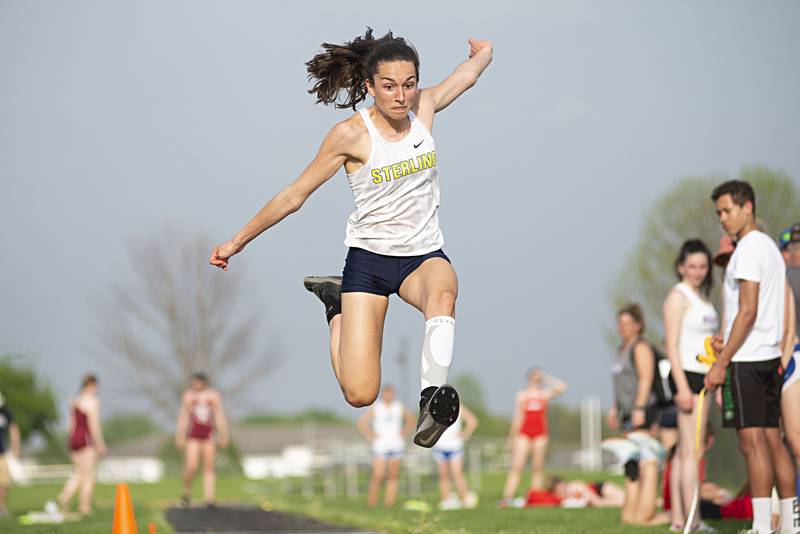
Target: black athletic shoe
column 185, row 503
column 329, row 290
column 438, row 409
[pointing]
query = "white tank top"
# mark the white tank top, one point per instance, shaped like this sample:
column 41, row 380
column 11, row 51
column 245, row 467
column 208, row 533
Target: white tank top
column 699, row 321
column 397, row 195
column 451, row 440
column 387, row 423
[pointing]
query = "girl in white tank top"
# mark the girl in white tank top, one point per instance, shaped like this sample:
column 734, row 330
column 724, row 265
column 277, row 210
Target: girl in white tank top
column 699, row 321
column 689, row 318
column 395, row 243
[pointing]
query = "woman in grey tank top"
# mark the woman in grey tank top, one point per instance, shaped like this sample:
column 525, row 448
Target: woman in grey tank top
column 633, row 374
column 633, row 410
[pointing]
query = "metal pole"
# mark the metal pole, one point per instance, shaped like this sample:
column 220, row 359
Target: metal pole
column 475, row 468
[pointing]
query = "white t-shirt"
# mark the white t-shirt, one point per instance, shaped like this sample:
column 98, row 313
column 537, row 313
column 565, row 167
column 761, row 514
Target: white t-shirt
column 387, row 423
column 757, row 259
column 699, row 321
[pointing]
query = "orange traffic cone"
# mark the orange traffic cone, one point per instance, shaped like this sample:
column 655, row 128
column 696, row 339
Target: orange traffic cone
column 152, row 528
column 124, row 518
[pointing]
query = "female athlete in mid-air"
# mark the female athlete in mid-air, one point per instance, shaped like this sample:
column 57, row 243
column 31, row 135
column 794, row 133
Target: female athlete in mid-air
column 395, row 245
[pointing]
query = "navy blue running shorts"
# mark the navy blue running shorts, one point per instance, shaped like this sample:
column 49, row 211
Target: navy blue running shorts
column 367, row 272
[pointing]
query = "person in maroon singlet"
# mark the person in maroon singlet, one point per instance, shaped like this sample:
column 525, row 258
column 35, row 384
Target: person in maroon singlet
column 201, row 414
column 86, row 445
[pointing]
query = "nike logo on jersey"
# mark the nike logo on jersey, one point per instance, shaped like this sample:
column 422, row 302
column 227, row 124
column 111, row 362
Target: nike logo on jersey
column 417, row 145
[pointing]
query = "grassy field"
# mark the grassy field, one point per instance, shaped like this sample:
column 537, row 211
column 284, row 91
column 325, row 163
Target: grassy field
column 151, row 499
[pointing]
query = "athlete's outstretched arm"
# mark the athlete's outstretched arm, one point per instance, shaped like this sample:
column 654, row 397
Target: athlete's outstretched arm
column 332, row 155
column 464, row 77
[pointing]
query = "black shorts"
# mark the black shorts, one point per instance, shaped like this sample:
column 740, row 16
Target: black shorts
column 696, row 381
column 367, row 272
column 669, row 417
column 751, row 395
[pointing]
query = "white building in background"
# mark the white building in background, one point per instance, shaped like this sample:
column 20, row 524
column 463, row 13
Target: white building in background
column 280, row 451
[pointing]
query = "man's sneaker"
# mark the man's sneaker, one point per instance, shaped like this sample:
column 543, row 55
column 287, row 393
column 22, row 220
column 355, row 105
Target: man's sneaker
column 438, row 409
column 185, row 503
column 328, row 289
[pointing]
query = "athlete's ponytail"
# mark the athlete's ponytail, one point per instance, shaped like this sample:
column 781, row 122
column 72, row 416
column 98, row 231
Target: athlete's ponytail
column 347, row 67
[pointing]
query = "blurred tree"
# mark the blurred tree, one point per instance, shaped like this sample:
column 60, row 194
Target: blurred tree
column 176, row 315
column 30, row 399
column 120, row 428
column 685, row 212
column 470, row 391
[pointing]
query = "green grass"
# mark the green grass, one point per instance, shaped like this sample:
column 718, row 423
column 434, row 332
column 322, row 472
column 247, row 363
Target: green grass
column 151, row 499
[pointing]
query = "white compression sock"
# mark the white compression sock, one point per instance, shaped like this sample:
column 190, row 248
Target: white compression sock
column 762, row 514
column 437, row 350
column 790, row 522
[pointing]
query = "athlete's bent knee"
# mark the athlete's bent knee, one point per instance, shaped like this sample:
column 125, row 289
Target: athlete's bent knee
column 446, row 300
column 358, row 398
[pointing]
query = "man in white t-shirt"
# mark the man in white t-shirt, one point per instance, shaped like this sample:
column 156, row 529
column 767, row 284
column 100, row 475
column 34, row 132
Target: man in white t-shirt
column 748, row 357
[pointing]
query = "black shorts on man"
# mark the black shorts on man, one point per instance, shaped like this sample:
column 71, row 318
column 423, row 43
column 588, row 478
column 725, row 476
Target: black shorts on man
column 751, row 395
column 368, row 272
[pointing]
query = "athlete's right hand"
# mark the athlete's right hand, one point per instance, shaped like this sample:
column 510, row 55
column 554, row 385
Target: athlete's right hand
column 180, row 443
column 222, row 253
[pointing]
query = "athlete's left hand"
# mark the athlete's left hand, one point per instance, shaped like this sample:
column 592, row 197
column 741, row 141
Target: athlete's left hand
column 715, row 377
column 223, row 441
column 476, row 45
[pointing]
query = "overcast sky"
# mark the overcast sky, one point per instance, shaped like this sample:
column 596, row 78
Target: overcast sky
column 118, row 117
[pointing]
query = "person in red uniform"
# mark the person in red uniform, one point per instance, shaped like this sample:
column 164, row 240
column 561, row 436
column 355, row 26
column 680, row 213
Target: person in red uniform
column 201, row 413
column 528, row 434
column 86, row 445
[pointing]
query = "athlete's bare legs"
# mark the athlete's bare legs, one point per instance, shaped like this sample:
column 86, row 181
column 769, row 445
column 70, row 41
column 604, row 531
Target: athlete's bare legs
column 356, row 339
column 209, row 475
column 519, row 454
column 538, row 455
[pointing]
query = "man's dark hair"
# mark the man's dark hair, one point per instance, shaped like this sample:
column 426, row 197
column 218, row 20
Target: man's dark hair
column 741, row 192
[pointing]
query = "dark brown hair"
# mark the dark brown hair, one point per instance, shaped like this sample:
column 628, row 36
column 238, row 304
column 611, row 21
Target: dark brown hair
column 635, row 311
column 694, row 246
column 347, row 67
column 740, row 192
